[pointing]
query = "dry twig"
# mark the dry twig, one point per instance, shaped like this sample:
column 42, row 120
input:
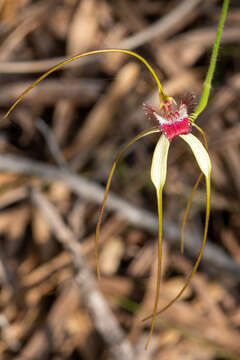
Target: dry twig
column 134, row 215
column 102, row 316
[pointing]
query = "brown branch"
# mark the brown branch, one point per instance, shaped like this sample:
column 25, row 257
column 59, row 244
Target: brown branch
column 51, row 91
column 134, row 215
column 163, row 27
column 102, row 316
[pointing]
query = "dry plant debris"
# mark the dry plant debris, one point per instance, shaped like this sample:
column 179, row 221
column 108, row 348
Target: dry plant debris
column 56, row 151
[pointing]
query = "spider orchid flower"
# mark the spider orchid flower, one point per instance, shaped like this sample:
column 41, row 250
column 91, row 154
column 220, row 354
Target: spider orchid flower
column 171, row 121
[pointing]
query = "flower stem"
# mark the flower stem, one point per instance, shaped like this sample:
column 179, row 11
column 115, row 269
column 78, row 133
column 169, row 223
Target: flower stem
column 208, row 81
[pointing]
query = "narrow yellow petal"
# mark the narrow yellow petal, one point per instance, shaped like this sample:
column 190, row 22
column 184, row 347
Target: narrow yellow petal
column 186, row 212
column 158, row 176
column 118, row 157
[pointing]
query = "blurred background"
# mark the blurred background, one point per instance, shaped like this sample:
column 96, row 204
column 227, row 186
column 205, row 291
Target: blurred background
column 57, row 148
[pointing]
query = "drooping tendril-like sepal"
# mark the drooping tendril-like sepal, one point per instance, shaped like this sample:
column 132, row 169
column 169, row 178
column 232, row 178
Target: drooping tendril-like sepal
column 118, row 157
column 162, row 96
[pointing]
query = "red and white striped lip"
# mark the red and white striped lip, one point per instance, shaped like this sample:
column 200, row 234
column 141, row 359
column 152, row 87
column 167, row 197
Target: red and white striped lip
column 171, row 123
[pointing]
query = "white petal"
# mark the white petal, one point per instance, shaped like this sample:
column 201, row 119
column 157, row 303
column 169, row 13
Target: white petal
column 159, row 163
column 199, row 152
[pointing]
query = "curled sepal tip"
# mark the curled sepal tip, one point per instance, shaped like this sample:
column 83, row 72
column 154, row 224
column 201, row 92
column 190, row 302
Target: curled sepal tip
column 158, row 176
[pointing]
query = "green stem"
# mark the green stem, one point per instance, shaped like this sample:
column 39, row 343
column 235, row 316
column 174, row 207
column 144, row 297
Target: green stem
column 208, row 81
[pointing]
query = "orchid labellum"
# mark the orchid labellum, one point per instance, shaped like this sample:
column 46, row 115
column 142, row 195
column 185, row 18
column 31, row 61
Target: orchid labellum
column 171, row 121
